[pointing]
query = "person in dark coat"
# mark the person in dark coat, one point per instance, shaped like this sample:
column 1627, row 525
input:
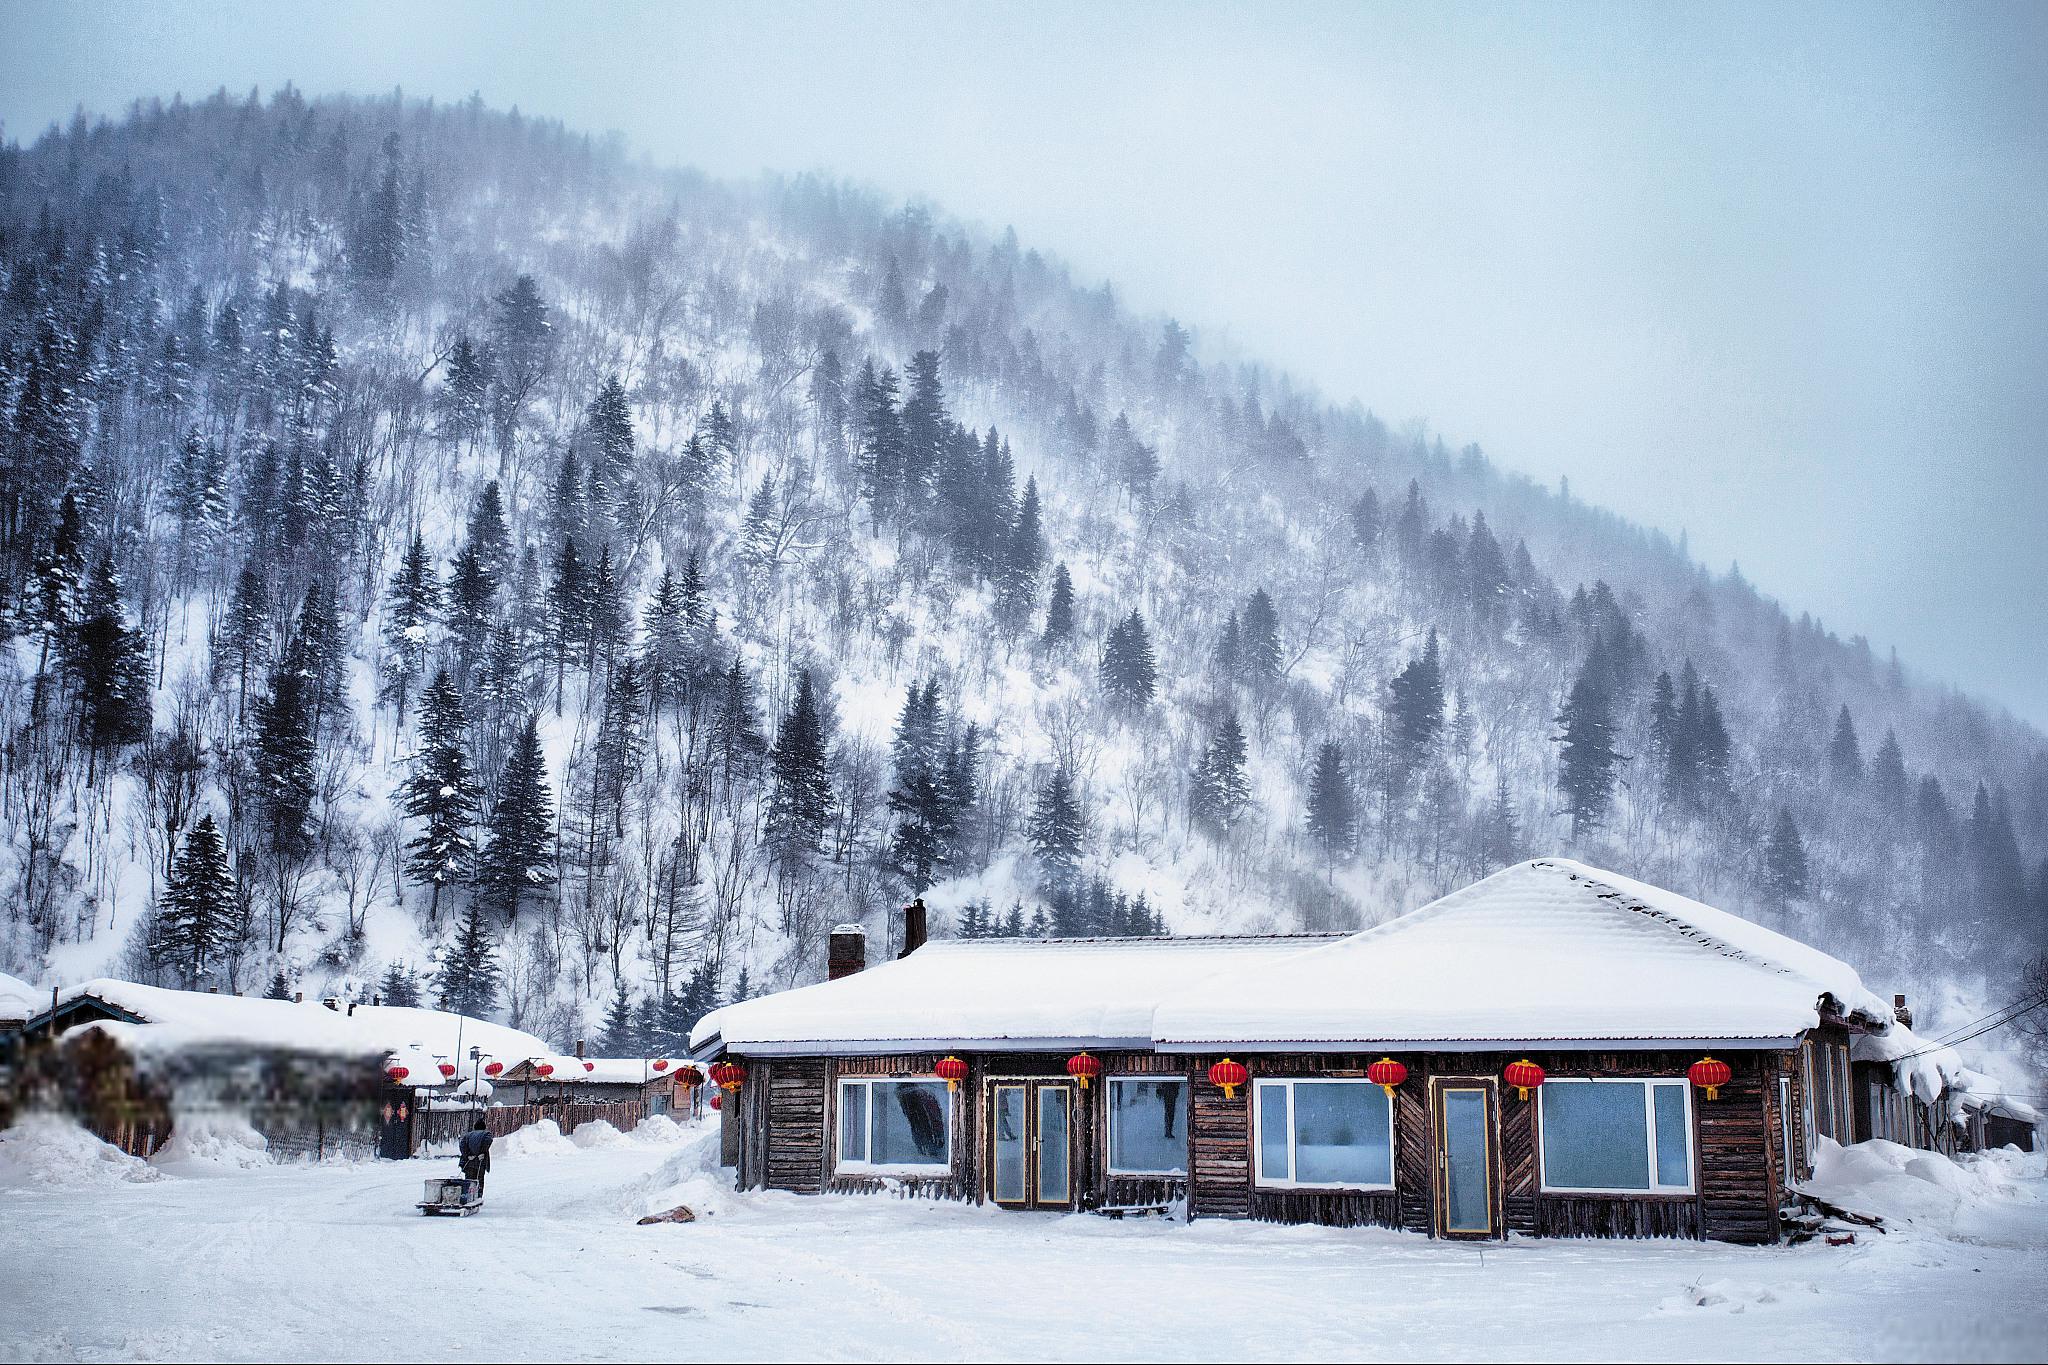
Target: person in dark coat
column 476, row 1154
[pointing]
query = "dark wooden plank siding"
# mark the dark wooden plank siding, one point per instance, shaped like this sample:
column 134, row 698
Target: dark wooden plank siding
column 795, row 1117
column 788, row 1116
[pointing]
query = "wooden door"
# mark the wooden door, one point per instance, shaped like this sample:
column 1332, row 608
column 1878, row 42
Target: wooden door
column 1031, row 1144
column 1467, row 1167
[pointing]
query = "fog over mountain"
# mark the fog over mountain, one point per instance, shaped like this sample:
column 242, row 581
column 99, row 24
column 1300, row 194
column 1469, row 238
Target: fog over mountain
column 443, row 550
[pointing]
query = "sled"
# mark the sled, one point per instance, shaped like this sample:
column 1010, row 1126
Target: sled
column 454, row 1198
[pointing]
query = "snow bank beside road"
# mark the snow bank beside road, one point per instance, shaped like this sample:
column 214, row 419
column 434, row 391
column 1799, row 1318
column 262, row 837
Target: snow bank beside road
column 204, row 1144
column 49, row 1152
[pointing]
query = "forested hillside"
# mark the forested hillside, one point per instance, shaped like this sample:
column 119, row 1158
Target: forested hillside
column 440, row 553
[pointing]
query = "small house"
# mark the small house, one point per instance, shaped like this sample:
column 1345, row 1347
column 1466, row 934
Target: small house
column 546, row 1079
column 1554, row 1050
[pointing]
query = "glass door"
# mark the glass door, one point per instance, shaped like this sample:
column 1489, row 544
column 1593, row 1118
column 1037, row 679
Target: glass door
column 1010, row 1139
column 1031, row 1147
column 1465, row 1158
column 1055, row 1151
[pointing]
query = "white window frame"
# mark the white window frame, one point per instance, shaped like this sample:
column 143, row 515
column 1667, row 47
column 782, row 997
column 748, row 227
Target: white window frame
column 1186, row 1126
column 866, row 1167
column 1649, row 1085
column 1288, row 1182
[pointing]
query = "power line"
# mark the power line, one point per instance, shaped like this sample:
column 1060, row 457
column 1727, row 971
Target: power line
column 2018, row 1010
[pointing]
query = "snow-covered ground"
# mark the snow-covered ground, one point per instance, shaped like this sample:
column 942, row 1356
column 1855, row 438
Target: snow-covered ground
column 213, row 1259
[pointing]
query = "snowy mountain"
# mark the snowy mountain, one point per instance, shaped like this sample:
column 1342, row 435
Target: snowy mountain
column 433, row 540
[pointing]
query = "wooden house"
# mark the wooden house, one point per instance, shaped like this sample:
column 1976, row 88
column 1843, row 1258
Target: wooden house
column 547, row 1079
column 1554, row 1050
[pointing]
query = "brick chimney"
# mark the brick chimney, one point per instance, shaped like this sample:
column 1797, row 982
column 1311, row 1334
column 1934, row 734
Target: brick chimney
column 1900, row 1012
column 913, row 927
column 579, row 1049
column 847, row 951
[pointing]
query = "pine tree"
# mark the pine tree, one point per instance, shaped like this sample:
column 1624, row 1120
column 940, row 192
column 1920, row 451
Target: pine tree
column 463, row 398
column 1332, row 806
column 1587, row 761
column 621, row 1033
column 1416, row 707
column 1129, row 673
column 619, row 745
column 410, row 604
column 243, row 640
column 197, row 922
column 736, row 725
column 878, row 454
column 1845, row 756
column 801, row 805
column 1259, row 642
column 398, row 987
column 467, row 982
column 284, row 752
column 1057, row 829
column 1500, row 838
column 609, row 420
column 60, row 580
column 442, row 792
column 1367, row 521
column 568, row 610
column 1785, row 868
column 323, row 654
column 667, row 665
column 280, row 987
column 1023, row 559
column 111, row 663
column 1219, row 793
column 489, row 537
column 1888, row 774
column 519, row 860
column 1059, row 611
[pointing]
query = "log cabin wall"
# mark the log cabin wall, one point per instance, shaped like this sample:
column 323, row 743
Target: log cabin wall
column 1735, row 1196
column 788, row 1116
column 963, row 1126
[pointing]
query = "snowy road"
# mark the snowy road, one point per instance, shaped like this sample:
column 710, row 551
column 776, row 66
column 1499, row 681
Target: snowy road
column 299, row 1263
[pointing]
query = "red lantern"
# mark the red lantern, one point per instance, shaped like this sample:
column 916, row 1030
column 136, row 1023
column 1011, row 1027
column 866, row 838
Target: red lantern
column 1229, row 1075
column 590, row 1066
column 1084, row 1068
column 544, row 1070
column 447, row 1071
column 1709, row 1075
column 397, row 1073
column 493, row 1068
column 1524, row 1076
column 690, row 1076
column 729, row 1075
column 952, row 1071
column 661, row 1064
column 1386, row 1073
column 715, row 1098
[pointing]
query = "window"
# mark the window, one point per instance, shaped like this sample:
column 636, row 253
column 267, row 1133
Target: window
column 1785, row 1128
column 1148, row 1126
column 1324, row 1134
column 1617, row 1137
column 894, row 1125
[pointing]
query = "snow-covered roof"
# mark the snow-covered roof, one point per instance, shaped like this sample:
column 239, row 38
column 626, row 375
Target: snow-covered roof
column 19, row 1000
column 417, row 1039
column 1920, row 1068
column 586, row 1070
column 992, row 995
column 1991, row 1095
column 1549, row 951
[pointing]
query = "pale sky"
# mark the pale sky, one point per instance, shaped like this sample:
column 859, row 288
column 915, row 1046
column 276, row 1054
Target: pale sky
column 1776, row 276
